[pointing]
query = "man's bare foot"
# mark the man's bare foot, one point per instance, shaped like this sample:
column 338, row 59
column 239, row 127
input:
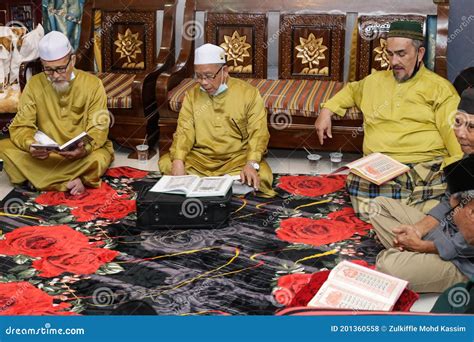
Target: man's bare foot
column 76, row 187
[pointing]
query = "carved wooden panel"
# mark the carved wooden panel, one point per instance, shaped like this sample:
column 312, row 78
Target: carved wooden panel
column 128, row 41
column 243, row 37
column 312, row 46
column 372, row 41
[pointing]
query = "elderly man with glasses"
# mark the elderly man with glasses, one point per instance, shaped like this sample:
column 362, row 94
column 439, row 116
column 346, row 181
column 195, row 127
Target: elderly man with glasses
column 222, row 127
column 61, row 102
column 436, row 250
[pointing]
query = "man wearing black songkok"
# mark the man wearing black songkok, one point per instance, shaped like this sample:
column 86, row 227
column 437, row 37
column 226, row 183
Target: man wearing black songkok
column 434, row 251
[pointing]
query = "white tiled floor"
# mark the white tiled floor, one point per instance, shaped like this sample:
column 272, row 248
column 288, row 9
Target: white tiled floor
column 281, row 161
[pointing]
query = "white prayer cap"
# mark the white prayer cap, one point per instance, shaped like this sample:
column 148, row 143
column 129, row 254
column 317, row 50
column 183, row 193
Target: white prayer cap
column 209, row 54
column 54, row 46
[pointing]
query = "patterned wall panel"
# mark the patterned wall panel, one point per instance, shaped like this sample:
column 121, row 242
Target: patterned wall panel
column 312, row 46
column 128, row 41
column 243, row 37
column 372, row 42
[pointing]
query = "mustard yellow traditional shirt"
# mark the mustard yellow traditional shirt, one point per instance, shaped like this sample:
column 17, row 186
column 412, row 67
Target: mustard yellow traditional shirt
column 217, row 128
column 409, row 121
column 62, row 117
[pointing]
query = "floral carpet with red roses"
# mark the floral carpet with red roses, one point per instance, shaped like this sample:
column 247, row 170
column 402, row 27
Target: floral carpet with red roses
column 84, row 255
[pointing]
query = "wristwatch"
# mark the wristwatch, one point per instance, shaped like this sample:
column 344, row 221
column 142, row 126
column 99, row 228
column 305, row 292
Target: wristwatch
column 255, row 165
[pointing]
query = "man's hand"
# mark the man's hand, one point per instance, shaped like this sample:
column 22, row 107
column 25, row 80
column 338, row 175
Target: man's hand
column 409, row 238
column 427, row 224
column 249, row 176
column 323, row 125
column 177, row 168
column 78, row 153
column 39, row 153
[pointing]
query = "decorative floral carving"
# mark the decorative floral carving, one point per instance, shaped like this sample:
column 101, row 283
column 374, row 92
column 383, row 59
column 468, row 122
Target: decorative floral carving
column 236, row 48
column 382, row 55
column 311, row 51
column 128, row 45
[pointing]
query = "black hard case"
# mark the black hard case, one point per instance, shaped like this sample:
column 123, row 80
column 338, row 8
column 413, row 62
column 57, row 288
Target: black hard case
column 168, row 211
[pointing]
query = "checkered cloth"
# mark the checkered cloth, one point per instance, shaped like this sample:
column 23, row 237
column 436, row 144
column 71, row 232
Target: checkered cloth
column 422, row 187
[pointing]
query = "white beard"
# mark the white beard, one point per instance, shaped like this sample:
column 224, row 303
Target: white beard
column 61, row 87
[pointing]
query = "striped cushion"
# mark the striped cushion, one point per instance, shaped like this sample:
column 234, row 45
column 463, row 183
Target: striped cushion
column 118, row 88
column 294, row 97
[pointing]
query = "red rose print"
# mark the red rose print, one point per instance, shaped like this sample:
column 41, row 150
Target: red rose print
column 303, row 296
column 42, row 241
column 84, row 261
column 348, row 216
column 294, row 282
column 288, row 286
column 22, row 298
column 283, row 296
column 113, row 210
column 126, row 171
column 313, row 232
column 312, row 186
column 307, row 292
column 89, row 196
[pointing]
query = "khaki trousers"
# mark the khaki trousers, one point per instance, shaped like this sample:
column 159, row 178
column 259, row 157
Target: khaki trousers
column 425, row 272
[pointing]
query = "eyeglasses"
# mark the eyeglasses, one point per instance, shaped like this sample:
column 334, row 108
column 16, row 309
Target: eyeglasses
column 59, row 70
column 461, row 203
column 207, row 77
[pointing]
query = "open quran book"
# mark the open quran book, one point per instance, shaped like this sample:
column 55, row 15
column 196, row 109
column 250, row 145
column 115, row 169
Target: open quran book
column 354, row 287
column 194, row 186
column 43, row 141
column 377, row 168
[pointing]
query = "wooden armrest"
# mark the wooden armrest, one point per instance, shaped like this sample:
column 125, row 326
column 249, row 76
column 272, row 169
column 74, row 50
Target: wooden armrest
column 184, row 65
column 35, row 67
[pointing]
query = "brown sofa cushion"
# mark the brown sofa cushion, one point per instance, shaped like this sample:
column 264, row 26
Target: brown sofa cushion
column 118, row 88
column 294, row 97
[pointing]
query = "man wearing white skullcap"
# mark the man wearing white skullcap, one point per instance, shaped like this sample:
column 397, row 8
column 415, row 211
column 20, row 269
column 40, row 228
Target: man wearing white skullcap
column 61, row 102
column 222, row 126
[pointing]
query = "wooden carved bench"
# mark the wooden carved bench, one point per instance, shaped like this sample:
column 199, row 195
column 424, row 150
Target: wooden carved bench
column 312, row 48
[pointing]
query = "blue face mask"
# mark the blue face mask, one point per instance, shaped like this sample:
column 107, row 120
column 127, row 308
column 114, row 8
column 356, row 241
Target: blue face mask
column 222, row 88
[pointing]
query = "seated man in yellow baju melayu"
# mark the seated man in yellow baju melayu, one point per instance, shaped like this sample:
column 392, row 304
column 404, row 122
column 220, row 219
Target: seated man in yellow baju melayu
column 62, row 102
column 222, row 127
column 408, row 115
